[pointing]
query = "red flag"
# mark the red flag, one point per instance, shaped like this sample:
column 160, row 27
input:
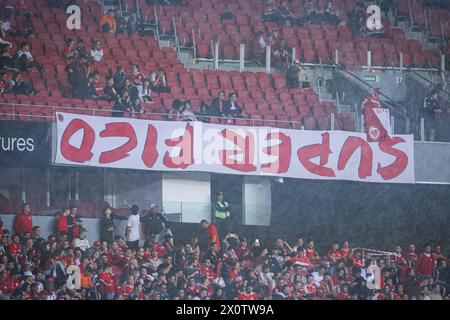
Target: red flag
column 377, row 120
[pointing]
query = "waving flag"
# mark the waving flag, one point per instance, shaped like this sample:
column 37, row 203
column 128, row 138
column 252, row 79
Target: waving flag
column 378, row 124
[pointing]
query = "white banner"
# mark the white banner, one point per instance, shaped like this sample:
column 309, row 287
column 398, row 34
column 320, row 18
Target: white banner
column 195, row 146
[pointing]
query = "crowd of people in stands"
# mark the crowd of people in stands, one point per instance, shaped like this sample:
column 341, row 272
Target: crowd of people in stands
column 22, row 60
column 280, row 13
column 219, row 108
column 131, row 91
column 210, row 266
column 280, row 54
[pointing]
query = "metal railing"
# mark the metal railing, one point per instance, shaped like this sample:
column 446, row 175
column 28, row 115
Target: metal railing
column 391, row 103
column 16, row 113
column 177, row 43
column 436, row 86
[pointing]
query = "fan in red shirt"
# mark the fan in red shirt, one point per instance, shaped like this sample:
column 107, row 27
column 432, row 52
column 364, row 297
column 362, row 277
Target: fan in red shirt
column 358, row 262
column 62, row 222
column 213, row 235
column 412, row 256
column 24, row 221
column 207, row 270
column 312, row 254
column 310, row 287
column 69, row 50
column 136, row 76
column 302, row 260
column 243, row 249
column 15, row 248
column 372, row 100
column 98, row 85
column 426, row 263
column 335, row 249
column 106, row 278
column 8, row 284
column 437, row 254
column 248, row 294
column 346, row 251
column 344, row 294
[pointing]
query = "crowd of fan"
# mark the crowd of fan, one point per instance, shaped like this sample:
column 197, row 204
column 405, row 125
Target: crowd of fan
column 20, row 61
column 280, row 13
column 231, row 267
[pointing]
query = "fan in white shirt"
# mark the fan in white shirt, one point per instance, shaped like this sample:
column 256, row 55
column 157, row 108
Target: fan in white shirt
column 97, row 52
column 81, row 241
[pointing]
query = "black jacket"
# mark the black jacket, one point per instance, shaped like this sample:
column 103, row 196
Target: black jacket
column 229, row 111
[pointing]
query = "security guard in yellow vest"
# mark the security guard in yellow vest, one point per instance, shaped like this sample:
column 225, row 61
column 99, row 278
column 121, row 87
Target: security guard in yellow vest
column 222, row 213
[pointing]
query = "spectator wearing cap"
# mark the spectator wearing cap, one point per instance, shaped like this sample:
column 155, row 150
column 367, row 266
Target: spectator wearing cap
column 108, row 22
column 222, row 213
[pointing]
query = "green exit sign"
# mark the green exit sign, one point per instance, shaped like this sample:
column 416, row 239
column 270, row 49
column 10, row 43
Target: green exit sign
column 371, row 78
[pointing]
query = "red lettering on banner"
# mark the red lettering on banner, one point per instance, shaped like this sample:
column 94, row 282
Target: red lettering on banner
column 365, row 161
column 283, row 151
column 399, row 165
column 121, row 130
column 150, row 154
column 83, row 153
column 306, row 154
column 186, row 157
column 246, row 148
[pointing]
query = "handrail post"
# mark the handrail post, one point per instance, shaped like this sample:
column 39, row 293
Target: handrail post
column 155, row 14
column 241, row 57
column 369, row 59
column 319, row 90
column 332, row 121
column 337, row 56
column 443, row 68
column 216, row 55
column 362, row 124
column 392, row 125
column 422, row 129
column 268, row 61
column 194, row 44
column 407, row 126
column 177, row 44
column 294, row 55
column 401, row 62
